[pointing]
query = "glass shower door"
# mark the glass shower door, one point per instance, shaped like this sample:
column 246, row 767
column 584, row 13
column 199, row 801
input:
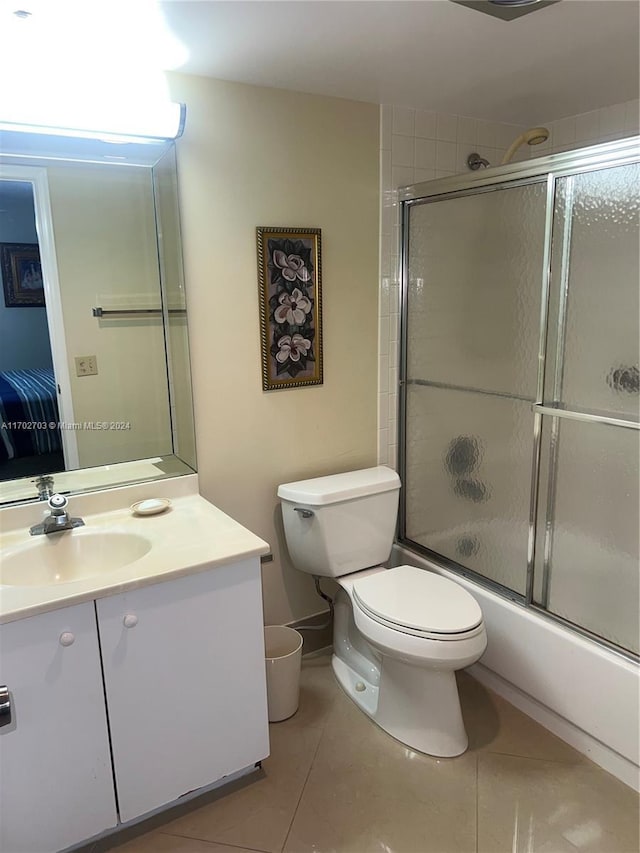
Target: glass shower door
column 473, row 291
column 587, row 533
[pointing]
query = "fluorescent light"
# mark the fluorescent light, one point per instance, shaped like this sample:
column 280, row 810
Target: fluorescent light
column 117, row 121
column 94, row 68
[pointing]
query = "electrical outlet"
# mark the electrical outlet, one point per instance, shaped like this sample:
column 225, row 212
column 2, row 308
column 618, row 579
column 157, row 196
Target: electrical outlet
column 86, row 365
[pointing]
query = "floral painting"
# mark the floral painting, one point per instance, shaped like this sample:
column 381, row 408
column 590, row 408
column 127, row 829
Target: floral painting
column 289, row 277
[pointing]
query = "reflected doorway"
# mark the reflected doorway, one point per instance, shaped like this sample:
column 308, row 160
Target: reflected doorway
column 31, row 441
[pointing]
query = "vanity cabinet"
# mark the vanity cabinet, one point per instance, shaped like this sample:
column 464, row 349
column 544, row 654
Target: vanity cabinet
column 180, row 666
column 185, row 683
column 56, row 784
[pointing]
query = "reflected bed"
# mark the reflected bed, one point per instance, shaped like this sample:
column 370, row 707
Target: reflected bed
column 28, row 398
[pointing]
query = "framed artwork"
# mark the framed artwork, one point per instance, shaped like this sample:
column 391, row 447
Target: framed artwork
column 21, row 275
column 290, row 290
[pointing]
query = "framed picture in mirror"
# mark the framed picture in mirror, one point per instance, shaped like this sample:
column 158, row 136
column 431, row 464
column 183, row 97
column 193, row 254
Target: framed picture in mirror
column 21, row 275
column 290, row 292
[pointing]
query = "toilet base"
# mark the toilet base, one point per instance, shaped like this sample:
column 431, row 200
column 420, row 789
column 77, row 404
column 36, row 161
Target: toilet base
column 420, row 707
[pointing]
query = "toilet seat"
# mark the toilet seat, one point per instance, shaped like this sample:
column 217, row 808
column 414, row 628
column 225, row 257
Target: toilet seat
column 418, row 602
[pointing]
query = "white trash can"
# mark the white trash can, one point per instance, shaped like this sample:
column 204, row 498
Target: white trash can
column 283, row 654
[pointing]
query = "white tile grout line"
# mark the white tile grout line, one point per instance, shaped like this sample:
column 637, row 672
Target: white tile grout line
column 304, row 786
column 477, row 804
column 211, row 844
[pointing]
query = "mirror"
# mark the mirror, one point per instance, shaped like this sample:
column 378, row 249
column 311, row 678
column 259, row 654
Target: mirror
column 95, row 385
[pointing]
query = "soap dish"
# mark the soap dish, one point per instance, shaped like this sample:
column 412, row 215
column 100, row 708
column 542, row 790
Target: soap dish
column 152, row 506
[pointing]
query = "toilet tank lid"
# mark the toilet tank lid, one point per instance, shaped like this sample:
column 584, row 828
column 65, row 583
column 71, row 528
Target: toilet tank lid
column 340, row 487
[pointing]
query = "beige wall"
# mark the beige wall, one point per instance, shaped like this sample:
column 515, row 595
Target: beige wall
column 104, row 227
column 255, row 156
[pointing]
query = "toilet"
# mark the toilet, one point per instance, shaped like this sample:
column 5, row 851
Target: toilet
column 399, row 633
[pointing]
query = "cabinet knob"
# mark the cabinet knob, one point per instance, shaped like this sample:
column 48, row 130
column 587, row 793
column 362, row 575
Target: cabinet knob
column 67, row 638
column 130, row 620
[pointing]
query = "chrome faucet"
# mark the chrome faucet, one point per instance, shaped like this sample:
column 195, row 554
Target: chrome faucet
column 58, row 519
column 44, row 485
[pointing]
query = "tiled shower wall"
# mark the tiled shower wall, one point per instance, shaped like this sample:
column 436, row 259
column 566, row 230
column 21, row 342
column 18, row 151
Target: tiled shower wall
column 420, row 146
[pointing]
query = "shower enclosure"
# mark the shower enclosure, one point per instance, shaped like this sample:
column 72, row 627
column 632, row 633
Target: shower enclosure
column 519, row 445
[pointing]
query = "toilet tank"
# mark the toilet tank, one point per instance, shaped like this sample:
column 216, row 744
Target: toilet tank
column 342, row 523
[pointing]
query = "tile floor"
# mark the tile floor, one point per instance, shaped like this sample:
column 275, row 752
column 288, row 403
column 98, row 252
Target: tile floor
column 336, row 783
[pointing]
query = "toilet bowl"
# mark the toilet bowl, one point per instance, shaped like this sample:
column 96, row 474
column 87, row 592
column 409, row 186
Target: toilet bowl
column 400, row 633
column 417, row 695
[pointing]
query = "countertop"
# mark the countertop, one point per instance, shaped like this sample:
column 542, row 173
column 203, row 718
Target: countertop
column 191, row 536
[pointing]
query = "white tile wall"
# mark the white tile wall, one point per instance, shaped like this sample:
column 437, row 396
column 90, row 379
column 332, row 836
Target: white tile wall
column 420, row 146
column 604, row 125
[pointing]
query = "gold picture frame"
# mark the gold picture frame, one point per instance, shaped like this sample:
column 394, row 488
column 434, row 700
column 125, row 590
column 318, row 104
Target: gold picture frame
column 290, row 292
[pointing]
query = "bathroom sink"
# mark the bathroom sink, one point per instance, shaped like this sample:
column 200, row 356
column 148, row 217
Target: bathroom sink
column 70, row 556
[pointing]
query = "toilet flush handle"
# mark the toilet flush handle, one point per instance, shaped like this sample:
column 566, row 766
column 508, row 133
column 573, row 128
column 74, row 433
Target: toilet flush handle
column 305, row 513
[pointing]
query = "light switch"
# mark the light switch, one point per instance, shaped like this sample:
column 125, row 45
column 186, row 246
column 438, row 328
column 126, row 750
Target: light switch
column 86, row 365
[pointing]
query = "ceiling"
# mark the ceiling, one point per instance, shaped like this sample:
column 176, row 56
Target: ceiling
column 568, row 58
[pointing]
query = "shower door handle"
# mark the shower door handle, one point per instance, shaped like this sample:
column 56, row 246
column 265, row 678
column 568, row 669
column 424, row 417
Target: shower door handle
column 584, row 416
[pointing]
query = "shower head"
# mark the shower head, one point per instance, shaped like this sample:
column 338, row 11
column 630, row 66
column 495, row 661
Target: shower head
column 533, row 136
column 536, row 135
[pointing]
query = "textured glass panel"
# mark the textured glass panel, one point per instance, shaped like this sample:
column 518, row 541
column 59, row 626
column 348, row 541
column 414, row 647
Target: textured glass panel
column 592, row 515
column 602, row 234
column 467, row 479
column 475, row 273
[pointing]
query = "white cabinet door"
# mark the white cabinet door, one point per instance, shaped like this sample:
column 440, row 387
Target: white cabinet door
column 56, row 784
column 185, row 683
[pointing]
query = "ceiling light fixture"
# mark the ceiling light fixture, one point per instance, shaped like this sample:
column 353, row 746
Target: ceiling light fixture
column 87, row 75
column 115, row 122
column 506, row 10
column 513, row 2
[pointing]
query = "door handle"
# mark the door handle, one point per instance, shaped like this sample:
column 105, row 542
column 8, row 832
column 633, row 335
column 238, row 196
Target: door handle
column 5, row 706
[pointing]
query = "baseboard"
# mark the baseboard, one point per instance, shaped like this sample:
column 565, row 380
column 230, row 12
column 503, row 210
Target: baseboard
column 159, row 817
column 325, row 650
column 314, row 641
column 610, row 760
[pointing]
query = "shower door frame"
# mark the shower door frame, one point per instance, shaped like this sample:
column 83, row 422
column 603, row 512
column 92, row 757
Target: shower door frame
column 543, row 169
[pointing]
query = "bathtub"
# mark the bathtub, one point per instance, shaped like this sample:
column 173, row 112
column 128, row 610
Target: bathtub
column 582, row 692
